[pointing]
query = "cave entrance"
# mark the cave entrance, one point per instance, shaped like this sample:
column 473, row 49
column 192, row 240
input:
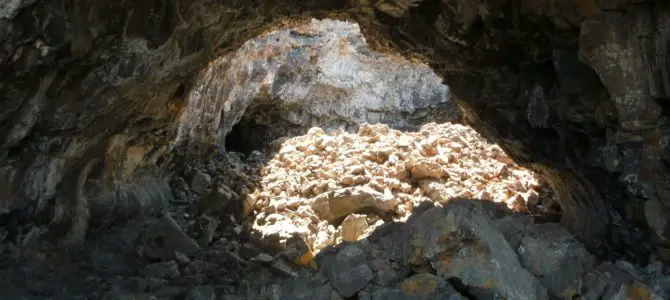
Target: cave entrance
column 330, row 79
column 261, row 124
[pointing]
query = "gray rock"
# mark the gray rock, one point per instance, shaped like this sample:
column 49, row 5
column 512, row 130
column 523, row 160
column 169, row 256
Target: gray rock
column 657, row 217
column 206, row 292
column 129, row 296
column 165, row 270
column 206, row 230
column 335, row 296
column 609, row 281
column 197, row 267
column 150, row 284
column 347, row 282
column 164, row 237
column 554, row 256
column 387, row 277
column 216, row 201
column 323, row 292
column 461, row 240
column 200, row 182
column 347, row 269
column 168, row 292
column 420, row 287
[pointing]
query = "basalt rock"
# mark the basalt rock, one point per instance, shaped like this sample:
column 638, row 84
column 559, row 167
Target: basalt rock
column 321, row 74
column 92, row 94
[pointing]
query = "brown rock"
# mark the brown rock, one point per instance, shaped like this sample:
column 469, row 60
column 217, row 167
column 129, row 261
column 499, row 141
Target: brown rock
column 339, row 203
column 421, row 284
column 353, row 227
column 424, row 168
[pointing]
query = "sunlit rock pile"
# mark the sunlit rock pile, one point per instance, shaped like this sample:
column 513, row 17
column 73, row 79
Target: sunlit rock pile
column 337, row 186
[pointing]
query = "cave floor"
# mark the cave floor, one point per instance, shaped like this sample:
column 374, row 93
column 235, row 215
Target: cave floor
column 376, row 214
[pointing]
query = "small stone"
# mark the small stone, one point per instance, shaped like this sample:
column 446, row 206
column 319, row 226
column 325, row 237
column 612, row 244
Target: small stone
column 424, row 168
column 200, row 182
column 197, row 267
column 386, row 277
column 517, row 203
column 657, row 216
column 380, row 264
column 217, row 201
column 316, row 131
column 168, row 292
column 349, row 282
column 164, row 270
column 207, row 226
column 353, row 227
column 181, row 257
column 205, row 292
column 249, row 203
column 164, row 237
column 421, row 284
column 264, row 257
column 283, row 267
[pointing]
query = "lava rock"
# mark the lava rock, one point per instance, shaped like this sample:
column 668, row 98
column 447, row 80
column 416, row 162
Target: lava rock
column 347, row 270
column 217, row 201
column 353, row 227
column 163, row 237
column 462, row 241
column 343, row 202
column 206, row 292
column 201, row 182
column 554, row 256
column 164, row 270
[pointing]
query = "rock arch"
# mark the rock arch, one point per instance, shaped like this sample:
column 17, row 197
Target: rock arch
column 573, row 89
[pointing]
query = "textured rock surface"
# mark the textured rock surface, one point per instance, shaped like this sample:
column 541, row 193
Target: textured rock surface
column 320, row 74
column 92, row 93
column 466, row 249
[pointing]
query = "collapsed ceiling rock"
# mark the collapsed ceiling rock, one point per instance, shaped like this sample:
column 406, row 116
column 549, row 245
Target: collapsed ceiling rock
column 329, row 187
column 320, row 74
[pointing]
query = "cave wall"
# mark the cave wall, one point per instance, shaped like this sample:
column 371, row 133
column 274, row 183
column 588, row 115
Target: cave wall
column 92, row 92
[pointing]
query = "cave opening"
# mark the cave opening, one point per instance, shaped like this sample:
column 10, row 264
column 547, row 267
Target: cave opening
column 260, row 125
column 604, row 151
column 328, row 116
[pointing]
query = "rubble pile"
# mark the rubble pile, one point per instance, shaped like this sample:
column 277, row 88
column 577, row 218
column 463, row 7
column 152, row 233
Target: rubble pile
column 373, row 215
column 339, row 186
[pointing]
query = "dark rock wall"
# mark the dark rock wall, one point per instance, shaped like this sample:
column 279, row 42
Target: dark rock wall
column 91, row 92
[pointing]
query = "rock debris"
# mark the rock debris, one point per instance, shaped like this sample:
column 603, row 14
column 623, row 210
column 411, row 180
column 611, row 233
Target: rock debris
column 376, row 214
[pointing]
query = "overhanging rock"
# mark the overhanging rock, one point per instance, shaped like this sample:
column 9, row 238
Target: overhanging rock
column 320, row 74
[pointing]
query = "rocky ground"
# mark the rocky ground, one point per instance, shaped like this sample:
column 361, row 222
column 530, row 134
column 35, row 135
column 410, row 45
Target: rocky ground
column 379, row 214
